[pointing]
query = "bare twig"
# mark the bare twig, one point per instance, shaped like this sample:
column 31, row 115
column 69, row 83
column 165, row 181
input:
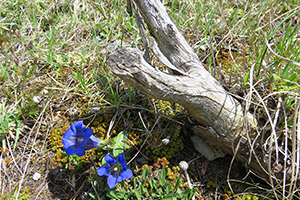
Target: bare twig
column 279, row 56
column 79, row 190
column 149, row 133
column 31, row 149
column 143, row 33
column 295, row 147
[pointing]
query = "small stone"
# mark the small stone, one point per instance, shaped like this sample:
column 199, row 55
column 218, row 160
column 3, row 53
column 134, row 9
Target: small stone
column 165, row 141
column 208, row 151
column 36, row 99
column 183, row 165
column 36, row 176
column 44, row 91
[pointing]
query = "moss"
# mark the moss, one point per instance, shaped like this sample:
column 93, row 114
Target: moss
column 163, row 105
column 168, row 151
column 57, row 133
column 156, row 148
column 168, row 108
column 211, row 184
column 132, row 136
column 172, row 174
column 160, row 163
column 249, row 197
column 24, row 195
column 99, row 130
column 148, row 167
column 176, row 169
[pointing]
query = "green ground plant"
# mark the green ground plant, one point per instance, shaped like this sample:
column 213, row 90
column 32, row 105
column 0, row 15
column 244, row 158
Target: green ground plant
column 159, row 189
column 9, row 118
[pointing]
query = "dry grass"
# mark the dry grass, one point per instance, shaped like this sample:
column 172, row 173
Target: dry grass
column 53, row 72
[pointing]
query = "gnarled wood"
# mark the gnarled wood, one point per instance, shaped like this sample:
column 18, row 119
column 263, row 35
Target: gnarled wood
column 221, row 116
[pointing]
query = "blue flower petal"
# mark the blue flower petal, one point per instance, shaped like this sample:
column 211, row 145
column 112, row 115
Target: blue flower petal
column 121, row 159
column 74, row 132
column 109, row 159
column 77, row 139
column 103, row 171
column 73, row 128
column 126, row 174
column 91, row 143
column 111, row 181
column 114, row 176
column 88, row 133
column 78, row 151
column 94, row 140
column 69, row 134
column 78, row 126
column 67, row 143
column 70, row 150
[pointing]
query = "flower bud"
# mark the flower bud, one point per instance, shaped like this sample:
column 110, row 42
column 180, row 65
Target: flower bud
column 183, row 165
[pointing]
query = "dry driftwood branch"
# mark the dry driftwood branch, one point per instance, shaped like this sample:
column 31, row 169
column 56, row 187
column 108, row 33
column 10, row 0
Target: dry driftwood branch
column 224, row 124
column 203, row 97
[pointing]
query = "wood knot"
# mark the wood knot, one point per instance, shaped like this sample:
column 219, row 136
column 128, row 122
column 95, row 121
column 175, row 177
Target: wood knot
column 170, row 30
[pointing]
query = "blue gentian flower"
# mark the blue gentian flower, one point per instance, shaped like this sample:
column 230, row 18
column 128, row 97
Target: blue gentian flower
column 78, row 139
column 116, row 171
